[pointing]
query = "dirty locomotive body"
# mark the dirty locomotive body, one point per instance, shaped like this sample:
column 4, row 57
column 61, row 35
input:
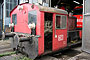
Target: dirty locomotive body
column 37, row 30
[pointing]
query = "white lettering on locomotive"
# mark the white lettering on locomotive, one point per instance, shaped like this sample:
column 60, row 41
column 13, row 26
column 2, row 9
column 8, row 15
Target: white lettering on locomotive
column 60, row 37
column 79, row 20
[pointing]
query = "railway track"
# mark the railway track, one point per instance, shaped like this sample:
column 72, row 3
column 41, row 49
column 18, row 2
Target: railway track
column 63, row 55
column 70, row 54
column 5, row 47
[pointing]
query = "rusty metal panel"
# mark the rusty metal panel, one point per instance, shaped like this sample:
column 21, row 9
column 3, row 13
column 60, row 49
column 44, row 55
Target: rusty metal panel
column 86, row 26
column 72, row 23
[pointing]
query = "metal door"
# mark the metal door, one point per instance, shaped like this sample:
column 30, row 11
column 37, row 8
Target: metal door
column 86, row 26
column 59, row 31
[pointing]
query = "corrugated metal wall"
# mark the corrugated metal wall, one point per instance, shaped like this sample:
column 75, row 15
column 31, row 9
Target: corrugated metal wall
column 86, row 26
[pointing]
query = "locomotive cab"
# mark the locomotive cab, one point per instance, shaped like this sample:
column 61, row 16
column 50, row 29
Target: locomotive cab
column 37, row 30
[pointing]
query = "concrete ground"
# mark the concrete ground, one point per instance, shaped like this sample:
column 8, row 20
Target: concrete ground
column 11, row 57
column 82, row 56
column 5, row 46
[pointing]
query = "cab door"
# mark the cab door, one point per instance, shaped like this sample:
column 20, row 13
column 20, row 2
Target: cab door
column 59, row 31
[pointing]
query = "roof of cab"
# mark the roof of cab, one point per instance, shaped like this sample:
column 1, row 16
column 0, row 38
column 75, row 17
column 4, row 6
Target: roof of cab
column 46, row 9
column 54, row 10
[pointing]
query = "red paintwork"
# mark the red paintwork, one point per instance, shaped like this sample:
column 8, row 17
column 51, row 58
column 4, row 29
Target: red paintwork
column 41, row 39
column 79, row 17
column 79, row 20
column 80, row 34
column 79, row 23
column 77, row 7
column 22, row 26
column 15, row 8
column 63, row 8
column 56, row 43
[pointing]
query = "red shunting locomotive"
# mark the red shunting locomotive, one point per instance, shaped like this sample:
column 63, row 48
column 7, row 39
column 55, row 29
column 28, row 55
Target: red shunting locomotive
column 37, row 30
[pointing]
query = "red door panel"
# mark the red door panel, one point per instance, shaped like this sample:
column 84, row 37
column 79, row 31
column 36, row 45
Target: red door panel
column 59, row 32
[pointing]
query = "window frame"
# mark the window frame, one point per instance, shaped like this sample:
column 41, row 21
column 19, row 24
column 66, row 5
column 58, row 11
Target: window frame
column 35, row 14
column 10, row 4
column 15, row 20
column 61, row 21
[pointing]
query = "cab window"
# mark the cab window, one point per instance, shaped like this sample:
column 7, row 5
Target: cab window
column 14, row 19
column 32, row 16
column 61, row 22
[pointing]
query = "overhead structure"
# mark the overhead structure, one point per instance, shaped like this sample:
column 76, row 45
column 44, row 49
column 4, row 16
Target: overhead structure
column 39, row 2
column 69, row 4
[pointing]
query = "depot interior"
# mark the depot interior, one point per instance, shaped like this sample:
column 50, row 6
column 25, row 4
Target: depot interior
column 68, row 5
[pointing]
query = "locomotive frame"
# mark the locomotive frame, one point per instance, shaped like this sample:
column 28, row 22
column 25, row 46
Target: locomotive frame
column 37, row 30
